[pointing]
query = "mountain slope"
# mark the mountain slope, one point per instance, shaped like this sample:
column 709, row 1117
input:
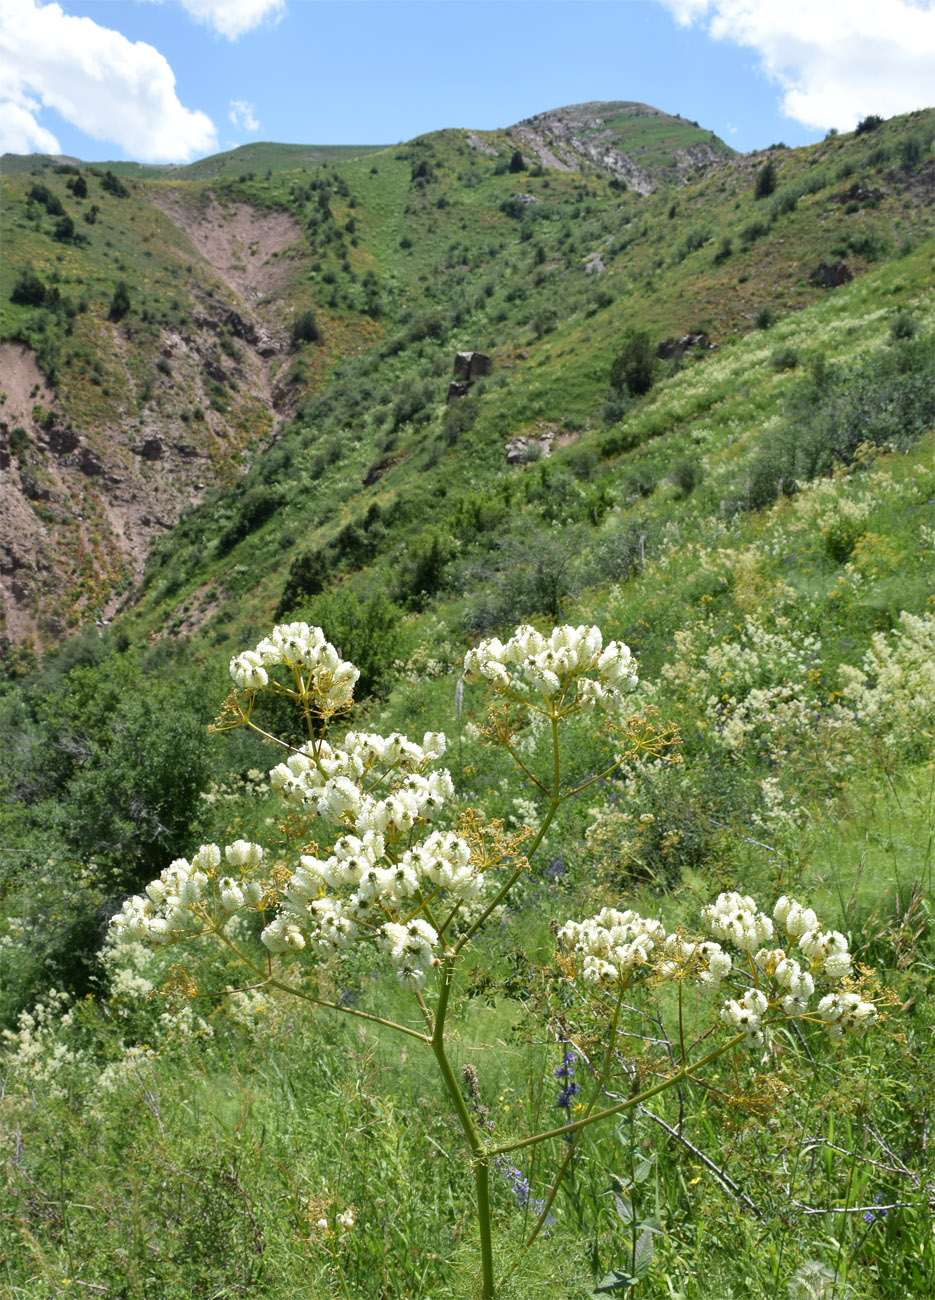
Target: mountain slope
column 401, row 258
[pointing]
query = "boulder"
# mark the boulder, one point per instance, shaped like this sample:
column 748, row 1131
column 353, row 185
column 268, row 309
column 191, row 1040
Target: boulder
column 669, row 348
column 472, row 365
column 829, row 275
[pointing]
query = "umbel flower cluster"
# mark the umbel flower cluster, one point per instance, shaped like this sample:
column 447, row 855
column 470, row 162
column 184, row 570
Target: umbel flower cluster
column 316, row 667
column 386, row 870
column 552, row 665
column 614, row 948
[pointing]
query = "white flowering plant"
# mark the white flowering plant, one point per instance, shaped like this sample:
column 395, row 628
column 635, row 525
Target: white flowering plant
column 411, row 895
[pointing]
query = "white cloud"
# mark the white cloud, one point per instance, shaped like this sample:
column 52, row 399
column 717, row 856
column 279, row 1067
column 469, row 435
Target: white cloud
column 107, row 86
column 234, row 17
column 20, row 132
column 241, row 114
column 835, row 60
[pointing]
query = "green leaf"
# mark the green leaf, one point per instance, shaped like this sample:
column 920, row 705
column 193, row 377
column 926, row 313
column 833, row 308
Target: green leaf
column 625, row 1210
column 615, row 1281
column 643, row 1170
column 642, row 1254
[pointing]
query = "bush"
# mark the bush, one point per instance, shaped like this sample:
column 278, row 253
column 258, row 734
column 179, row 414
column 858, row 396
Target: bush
column 765, row 181
column 51, row 202
column 784, row 359
column 750, row 234
column 305, row 329
column 764, row 318
column 28, row 291
column 868, row 123
column 114, row 185
column 423, row 567
column 366, row 631
column 120, row 302
column 634, row 368
column 308, row 575
column 685, row 475
column 258, row 505
column 903, row 326
column 517, row 162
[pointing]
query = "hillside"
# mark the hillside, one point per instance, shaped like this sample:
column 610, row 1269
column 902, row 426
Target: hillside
column 403, row 257
column 629, row 990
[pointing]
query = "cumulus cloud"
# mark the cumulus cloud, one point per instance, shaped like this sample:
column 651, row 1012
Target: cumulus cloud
column 234, row 17
column 19, row 130
column 241, row 114
column 111, row 88
column 835, row 61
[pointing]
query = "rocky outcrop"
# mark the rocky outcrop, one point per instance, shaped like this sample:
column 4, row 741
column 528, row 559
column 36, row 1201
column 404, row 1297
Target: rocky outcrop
column 608, row 136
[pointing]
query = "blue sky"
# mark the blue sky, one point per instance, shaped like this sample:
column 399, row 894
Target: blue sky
column 173, row 80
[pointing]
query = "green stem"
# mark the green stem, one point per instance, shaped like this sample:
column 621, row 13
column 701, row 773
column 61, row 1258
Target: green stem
column 505, row 889
column 522, row 766
column 269, row 981
column 687, row 1072
column 480, row 1156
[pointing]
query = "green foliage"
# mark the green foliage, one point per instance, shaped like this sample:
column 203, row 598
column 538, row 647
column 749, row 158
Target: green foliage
column 869, row 123
column 365, row 629
column 765, row 182
column 112, row 184
column 305, row 329
column 120, row 302
column 28, row 291
column 423, row 567
column 634, row 368
column 903, row 326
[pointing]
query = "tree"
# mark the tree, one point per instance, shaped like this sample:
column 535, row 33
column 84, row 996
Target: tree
column 634, row 369
column 120, row 303
column 517, row 162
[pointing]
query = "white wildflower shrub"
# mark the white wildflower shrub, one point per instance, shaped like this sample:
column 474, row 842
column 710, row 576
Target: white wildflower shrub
column 892, row 693
column 38, row 1055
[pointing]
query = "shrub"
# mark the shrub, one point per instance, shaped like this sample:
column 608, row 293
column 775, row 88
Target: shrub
column 114, row 185
column 28, row 291
column 765, row 181
column 366, row 630
column 51, row 202
column 423, row 568
column 903, row 326
column 258, row 505
column 685, row 475
column 307, row 576
column 634, row 368
column 764, row 318
column 120, row 302
column 754, row 231
column 517, row 162
column 305, row 329
column 868, row 123
column 784, row 359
